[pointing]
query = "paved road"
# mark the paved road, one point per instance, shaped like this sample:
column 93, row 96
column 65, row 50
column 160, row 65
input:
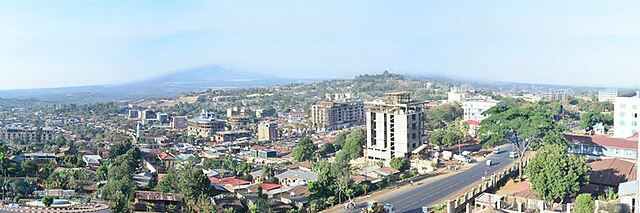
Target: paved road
column 415, row 197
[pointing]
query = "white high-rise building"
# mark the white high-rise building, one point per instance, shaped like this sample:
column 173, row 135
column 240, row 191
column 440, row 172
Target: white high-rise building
column 625, row 118
column 607, row 95
column 474, row 108
column 394, row 127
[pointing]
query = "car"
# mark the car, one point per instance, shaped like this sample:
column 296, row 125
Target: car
column 496, row 151
column 513, row 154
column 489, row 162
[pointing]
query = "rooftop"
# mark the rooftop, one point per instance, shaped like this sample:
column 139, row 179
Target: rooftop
column 157, row 196
column 602, row 140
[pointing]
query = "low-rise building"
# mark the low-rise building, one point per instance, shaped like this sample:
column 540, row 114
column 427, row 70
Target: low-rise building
column 602, row 145
column 231, row 135
column 161, row 202
column 296, row 177
column 92, row 161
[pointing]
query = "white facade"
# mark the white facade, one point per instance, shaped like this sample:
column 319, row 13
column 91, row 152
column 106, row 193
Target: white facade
column 393, row 128
column 455, row 96
column 625, row 117
column 607, row 95
column 473, row 109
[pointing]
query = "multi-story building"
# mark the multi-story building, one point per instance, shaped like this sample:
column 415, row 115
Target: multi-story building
column 555, row 96
column 473, row 108
column 239, row 111
column 608, row 95
column 205, row 126
column 134, row 114
column 178, row 122
column 162, row 117
column 329, row 115
column 394, row 127
column 147, row 114
column 625, row 117
column 26, row 133
column 267, row 132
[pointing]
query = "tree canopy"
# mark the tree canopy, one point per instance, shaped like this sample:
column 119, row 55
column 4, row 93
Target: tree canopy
column 588, row 119
column 554, row 174
column 584, row 204
column 305, row 149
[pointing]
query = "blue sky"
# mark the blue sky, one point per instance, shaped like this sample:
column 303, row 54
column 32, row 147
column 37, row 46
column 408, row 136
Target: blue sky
column 54, row 44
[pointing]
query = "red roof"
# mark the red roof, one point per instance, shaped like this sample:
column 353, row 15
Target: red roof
column 601, row 140
column 166, row 156
column 228, row 181
column 612, row 172
column 269, row 186
column 633, row 137
column 258, row 147
column 472, row 122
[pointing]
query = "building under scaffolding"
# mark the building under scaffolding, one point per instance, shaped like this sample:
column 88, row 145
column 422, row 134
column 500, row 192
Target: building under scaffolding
column 394, row 127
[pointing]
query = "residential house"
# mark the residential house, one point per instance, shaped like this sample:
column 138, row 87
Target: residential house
column 162, row 202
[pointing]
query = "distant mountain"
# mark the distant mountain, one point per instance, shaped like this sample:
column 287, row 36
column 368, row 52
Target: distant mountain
column 167, row 85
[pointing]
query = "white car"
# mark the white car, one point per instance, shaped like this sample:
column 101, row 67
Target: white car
column 513, row 155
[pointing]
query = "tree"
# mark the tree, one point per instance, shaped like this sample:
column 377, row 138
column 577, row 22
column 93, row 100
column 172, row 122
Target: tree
column 47, row 200
column 398, row 163
column 193, row 184
column 340, row 139
column 584, row 204
column 447, row 137
column 353, row 144
column 268, row 174
column 554, row 174
column 588, row 119
column 440, row 116
column 305, row 150
column 22, row 188
column 526, row 128
column 29, row 167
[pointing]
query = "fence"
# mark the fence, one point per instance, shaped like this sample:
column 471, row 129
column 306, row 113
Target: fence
column 465, row 200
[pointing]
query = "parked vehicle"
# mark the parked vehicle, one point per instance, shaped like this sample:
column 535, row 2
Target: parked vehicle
column 374, row 207
column 489, row 162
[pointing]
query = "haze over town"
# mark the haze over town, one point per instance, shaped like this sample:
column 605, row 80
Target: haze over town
column 61, row 44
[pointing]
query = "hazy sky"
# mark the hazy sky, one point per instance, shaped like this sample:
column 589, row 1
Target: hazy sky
column 53, row 44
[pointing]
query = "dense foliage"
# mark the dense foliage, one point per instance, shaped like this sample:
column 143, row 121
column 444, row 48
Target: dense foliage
column 556, row 175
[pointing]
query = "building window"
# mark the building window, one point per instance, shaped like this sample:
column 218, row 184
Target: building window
column 634, row 106
column 621, row 123
column 622, row 106
column 634, row 123
column 622, row 114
